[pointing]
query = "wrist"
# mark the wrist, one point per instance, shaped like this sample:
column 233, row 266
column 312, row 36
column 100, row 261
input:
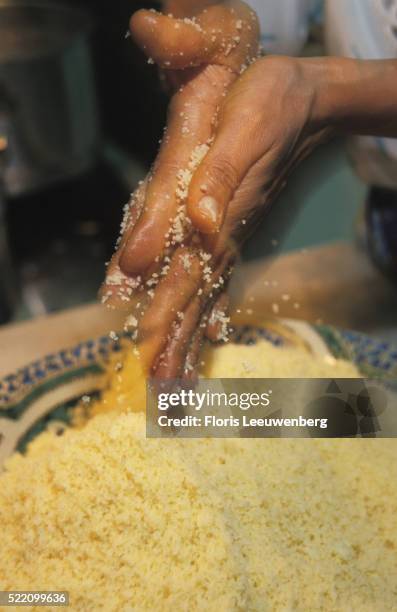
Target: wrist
column 355, row 96
column 332, row 80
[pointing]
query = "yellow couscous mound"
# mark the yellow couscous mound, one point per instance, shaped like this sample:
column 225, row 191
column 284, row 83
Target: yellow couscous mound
column 127, row 523
column 263, row 360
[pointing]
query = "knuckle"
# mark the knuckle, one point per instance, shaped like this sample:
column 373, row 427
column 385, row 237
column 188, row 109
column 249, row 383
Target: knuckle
column 166, row 168
column 222, row 171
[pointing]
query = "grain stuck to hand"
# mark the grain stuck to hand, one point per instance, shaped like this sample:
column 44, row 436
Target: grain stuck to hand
column 127, row 523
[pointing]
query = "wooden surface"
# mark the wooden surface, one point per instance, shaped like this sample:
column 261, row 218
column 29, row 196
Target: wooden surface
column 334, row 283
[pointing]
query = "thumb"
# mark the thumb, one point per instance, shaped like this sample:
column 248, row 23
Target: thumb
column 219, row 175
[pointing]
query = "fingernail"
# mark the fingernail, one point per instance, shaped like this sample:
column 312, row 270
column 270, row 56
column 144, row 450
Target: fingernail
column 211, row 209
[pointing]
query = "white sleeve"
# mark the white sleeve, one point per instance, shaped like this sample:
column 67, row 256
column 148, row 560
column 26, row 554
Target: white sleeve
column 284, row 24
column 366, row 29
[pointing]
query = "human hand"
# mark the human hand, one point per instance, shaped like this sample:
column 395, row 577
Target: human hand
column 160, row 263
column 271, row 118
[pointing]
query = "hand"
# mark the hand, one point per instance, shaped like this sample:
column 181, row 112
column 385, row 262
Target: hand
column 160, row 263
column 273, row 116
column 270, row 119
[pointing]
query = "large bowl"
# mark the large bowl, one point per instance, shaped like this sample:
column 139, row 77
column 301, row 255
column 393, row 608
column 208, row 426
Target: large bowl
column 42, row 394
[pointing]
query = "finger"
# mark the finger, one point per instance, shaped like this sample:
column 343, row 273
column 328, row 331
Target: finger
column 224, row 167
column 163, row 223
column 191, row 119
column 224, row 34
column 238, row 41
column 132, row 211
column 118, row 288
column 218, row 328
column 172, row 361
column 181, row 354
column 217, row 272
column 171, row 43
column 193, row 355
column 215, row 327
column 218, row 320
column 182, row 349
column 259, row 189
column 171, row 296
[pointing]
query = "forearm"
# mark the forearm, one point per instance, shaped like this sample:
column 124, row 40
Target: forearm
column 356, row 96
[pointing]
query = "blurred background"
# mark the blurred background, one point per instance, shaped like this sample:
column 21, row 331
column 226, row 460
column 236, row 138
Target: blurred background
column 81, row 114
